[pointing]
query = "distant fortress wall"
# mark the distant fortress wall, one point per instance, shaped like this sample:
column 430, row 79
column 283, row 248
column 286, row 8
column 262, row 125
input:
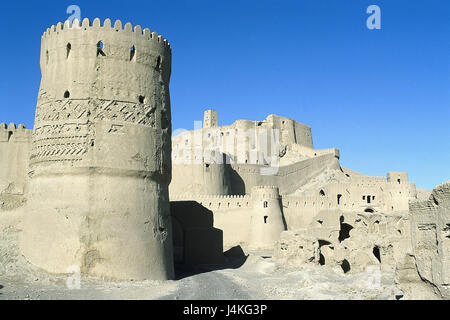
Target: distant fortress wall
column 362, row 193
column 14, row 158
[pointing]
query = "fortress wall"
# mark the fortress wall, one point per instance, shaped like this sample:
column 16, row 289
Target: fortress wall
column 235, row 224
column 355, row 196
column 193, row 172
column 367, row 181
column 300, row 211
column 217, row 202
column 312, row 152
column 14, row 158
column 204, row 179
column 288, row 178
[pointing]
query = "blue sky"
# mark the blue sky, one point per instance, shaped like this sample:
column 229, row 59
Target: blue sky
column 381, row 96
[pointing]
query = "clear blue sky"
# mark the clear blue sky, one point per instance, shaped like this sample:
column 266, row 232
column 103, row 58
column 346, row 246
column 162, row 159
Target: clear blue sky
column 381, row 96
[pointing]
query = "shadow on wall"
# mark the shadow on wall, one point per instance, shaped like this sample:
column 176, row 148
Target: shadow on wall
column 1, row 287
column 237, row 183
column 198, row 246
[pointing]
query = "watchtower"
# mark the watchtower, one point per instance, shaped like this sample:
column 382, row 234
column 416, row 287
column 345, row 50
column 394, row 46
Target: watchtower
column 100, row 161
column 266, row 223
column 210, row 119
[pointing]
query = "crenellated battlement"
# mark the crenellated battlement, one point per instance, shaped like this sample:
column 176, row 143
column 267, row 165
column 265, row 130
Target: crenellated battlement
column 197, row 197
column 85, row 60
column 265, row 188
column 96, row 25
column 13, row 132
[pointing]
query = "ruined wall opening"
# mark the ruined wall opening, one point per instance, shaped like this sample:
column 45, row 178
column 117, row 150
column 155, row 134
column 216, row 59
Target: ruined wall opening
column 321, row 259
column 132, row 53
column 339, row 196
column 376, row 253
column 321, row 256
column 100, row 49
column 345, row 265
column 141, row 99
column 344, row 232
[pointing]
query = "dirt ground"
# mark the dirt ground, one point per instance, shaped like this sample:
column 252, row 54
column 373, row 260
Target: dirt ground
column 254, row 276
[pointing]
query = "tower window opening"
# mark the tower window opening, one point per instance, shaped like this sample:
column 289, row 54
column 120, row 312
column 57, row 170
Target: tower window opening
column 322, row 193
column 67, row 94
column 132, row 53
column 10, row 133
column 158, row 63
column 339, row 196
column 265, row 219
column 368, row 199
column 100, row 49
column 46, row 57
column 68, row 48
column 141, row 99
column 266, row 204
column 398, row 180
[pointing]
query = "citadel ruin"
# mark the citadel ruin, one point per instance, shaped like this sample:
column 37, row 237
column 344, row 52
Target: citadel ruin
column 100, row 183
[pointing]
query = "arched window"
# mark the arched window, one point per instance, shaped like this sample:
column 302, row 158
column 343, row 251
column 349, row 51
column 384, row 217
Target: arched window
column 322, row 193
